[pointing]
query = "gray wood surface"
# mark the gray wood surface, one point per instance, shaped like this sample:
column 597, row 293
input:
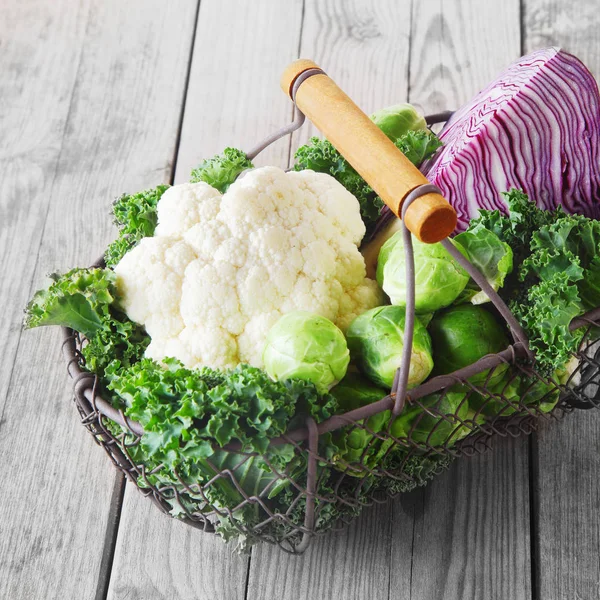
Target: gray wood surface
column 85, row 119
column 566, row 500
column 104, row 97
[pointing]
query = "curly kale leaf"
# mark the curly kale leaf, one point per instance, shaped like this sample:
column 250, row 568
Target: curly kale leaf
column 319, row 155
column 121, row 340
column 222, row 170
column 84, row 300
column 518, row 226
column 79, row 299
column 135, row 216
column 412, row 471
column 183, row 409
column 561, row 280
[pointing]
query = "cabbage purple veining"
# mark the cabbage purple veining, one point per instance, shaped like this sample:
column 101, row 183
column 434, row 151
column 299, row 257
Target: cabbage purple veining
column 536, row 128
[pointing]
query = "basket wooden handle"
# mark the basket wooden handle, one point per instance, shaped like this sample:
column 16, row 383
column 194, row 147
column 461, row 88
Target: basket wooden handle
column 430, row 218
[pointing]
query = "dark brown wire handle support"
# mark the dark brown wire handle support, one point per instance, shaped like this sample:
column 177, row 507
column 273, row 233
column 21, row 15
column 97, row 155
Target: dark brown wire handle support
column 311, row 485
column 401, row 377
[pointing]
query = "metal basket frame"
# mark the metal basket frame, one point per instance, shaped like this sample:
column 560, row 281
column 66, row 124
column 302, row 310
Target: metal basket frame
column 101, row 418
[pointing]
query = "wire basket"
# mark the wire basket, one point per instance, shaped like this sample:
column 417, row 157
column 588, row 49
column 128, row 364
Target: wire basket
column 248, row 496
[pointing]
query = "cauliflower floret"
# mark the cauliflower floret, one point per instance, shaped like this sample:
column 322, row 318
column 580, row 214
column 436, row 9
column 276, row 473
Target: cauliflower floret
column 222, row 269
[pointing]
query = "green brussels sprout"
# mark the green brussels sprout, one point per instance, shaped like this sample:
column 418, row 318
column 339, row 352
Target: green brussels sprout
column 461, row 336
column 435, row 430
column 356, row 447
column 395, row 121
column 376, row 339
column 517, row 392
column 439, row 279
column 306, row 346
column 541, row 394
column 506, row 389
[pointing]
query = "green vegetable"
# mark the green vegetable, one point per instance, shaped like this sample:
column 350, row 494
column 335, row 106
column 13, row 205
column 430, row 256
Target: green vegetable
column 492, row 257
column 221, row 170
column 513, row 393
column 418, row 146
column 320, row 156
column 357, row 446
column 79, row 299
column 306, row 346
column 556, row 275
column 396, row 121
column 243, row 404
column 187, row 414
column 135, row 216
column 412, row 470
column 439, row 279
column 461, row 336
column 437, row 422
column 517, row 228
column 83, row 299
column 376, row 340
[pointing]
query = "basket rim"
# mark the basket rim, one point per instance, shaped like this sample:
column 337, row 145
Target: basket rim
column 85, row 385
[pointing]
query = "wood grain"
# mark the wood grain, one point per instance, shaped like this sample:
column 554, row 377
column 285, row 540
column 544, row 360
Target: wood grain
column 90, row 121
column 567, row 506
column 567, row 455
column 171, row 559
column 353, row 564
column 41, row 47
column 232, row 100
column 363, row 46
column 234, row 97
column 471, row 530
column 472, row 525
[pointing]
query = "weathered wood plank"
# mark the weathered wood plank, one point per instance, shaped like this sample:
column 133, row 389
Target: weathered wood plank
column 41, row 47
column 159, row 557
column 363, row 45
column 352, row 564
column 471, row 529
column 566, row 459
column 89, row 119
column 233, row 99
column 566, row 456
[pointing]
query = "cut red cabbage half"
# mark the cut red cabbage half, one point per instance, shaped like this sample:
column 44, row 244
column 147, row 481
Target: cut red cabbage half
column 535, row 128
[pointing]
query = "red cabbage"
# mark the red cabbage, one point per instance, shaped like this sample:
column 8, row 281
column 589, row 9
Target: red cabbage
column 535, row 128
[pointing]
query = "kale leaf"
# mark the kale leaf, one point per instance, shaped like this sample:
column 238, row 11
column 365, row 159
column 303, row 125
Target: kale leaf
column 222, row 170
column 135, row 216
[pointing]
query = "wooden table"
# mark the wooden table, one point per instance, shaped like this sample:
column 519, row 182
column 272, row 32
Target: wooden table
column 98, row 97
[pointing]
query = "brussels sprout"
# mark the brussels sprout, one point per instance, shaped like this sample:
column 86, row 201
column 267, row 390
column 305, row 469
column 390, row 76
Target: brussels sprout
column 438, row 428
column 397, row 120
column 518, row 391
column 353, row 392
column 439, row 279
column 306, row 346
column 376, row 339
column 461, row 336
column 504, row 393
column 541, row 394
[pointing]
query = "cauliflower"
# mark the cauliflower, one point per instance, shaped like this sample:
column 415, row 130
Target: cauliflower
column 222, row 269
